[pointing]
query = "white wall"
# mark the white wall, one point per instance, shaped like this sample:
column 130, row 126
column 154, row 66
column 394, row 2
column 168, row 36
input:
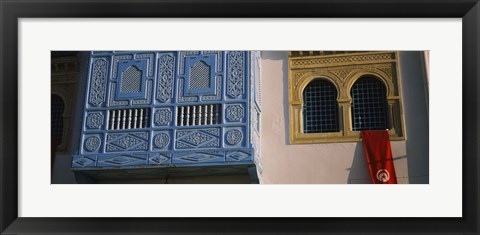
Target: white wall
column 336, row 163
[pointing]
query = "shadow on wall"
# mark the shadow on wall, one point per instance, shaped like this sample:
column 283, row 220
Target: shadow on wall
column 415, row 108
column 282, row 56
column 62, row 173
column 359, row 170
column 359, row 173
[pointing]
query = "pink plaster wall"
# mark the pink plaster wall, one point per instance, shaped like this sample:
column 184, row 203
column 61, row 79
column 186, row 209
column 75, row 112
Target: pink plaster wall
column 331, row 163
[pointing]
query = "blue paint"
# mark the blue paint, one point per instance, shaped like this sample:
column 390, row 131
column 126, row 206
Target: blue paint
column 207, row 61
column 122, row 69
column 226, row 80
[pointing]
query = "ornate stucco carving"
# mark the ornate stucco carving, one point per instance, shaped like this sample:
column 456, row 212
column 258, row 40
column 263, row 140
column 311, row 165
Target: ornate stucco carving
column 342, row 70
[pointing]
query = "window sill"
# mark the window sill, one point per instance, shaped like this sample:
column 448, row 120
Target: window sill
column 334, row 137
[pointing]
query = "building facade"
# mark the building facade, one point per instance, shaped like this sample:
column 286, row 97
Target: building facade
column 337, row 156
column 240, row 117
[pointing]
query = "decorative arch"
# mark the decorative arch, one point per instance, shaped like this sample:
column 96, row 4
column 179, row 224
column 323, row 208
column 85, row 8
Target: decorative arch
column 343, row 71
column 67, row 100
column 369, row 104
column 57, row 109
column 320, row 107
column 307, row 78
column 374, row 72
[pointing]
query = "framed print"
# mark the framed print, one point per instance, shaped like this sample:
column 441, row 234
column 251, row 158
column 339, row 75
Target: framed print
column 167, row 133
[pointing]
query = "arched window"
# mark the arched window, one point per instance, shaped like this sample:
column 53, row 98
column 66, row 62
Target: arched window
column 365, row 95
column 57, row 109
column 320, row 108
column 369, row 105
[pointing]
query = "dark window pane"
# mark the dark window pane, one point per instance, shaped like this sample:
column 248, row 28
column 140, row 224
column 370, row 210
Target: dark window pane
column 369, row 105
column 57, row 109
column 320, row 108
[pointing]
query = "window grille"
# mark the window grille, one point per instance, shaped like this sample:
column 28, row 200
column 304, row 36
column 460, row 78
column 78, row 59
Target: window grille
column 57, row 109
column 131, row 80
column 320, row 108
column 199, row 76
column 122, row 119
column 369, row 105
column 199, row 115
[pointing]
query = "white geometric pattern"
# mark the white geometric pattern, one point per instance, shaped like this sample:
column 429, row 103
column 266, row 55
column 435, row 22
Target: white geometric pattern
column 197, row 138
column 127, row 141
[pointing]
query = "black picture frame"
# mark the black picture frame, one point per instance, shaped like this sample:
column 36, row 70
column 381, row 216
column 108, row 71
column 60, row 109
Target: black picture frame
column 11, row 11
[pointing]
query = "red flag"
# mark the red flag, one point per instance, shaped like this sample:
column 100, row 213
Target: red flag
column 378, row 151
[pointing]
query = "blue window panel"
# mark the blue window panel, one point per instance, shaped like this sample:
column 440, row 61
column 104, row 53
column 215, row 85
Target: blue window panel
column 200, row 75
column 166, row 110
column 131, row 80
column 200, row 94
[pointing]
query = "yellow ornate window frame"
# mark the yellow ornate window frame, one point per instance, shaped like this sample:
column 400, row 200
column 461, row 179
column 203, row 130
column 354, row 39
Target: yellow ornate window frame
column 342, row 70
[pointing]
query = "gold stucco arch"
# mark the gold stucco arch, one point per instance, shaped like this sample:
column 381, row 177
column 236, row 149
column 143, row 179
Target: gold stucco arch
column 343, row 70
column 310, row 77
column 373, row 72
